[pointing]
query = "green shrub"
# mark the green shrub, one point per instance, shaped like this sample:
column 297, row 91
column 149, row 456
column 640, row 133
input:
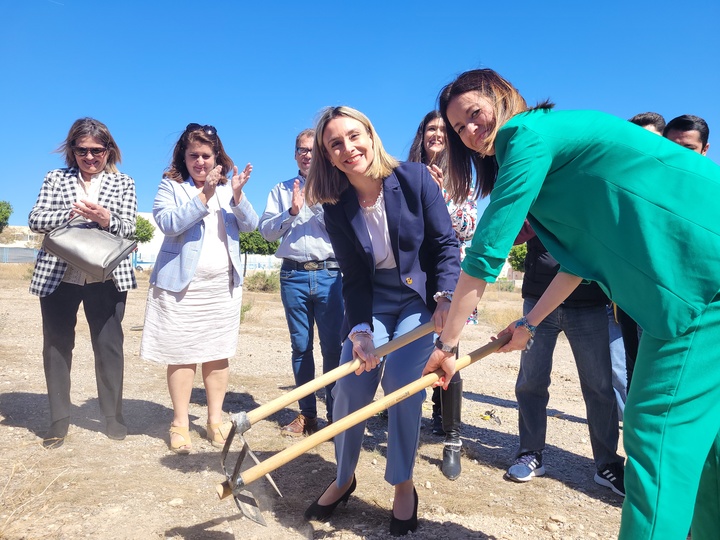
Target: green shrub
column 516, row 258
column 262, row 281
column 246, row 306
column 505, row 285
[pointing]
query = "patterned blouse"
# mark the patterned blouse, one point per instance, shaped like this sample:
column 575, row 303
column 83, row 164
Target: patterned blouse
column 464, row 220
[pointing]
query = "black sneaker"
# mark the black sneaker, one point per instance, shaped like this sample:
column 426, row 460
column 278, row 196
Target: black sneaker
column 612, row 476
column 525, row 467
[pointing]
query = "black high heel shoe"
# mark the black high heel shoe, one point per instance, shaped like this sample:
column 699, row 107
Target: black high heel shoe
column 400, row 527
column 322, row 513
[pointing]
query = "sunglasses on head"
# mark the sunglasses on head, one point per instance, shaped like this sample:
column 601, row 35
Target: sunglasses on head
column 210, row 131
column 82, row 151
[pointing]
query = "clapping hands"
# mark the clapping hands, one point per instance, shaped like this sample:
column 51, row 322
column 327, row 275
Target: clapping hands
column 239, row 179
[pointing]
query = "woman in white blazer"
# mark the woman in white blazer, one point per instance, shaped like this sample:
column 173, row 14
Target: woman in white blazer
column 193, row 306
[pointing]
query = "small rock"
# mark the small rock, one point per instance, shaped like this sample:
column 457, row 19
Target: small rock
column 374, row 461
column 176, row 502
column 552, row 527
column 428, row 485
column 559, row 518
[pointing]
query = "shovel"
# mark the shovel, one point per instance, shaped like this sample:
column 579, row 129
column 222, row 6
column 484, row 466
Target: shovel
column 242, row 421
column 234, row 484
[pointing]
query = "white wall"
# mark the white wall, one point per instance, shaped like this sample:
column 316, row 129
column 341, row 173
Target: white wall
column 146, row 254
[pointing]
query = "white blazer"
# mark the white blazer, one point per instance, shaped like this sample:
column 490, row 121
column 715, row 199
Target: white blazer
column 179, row 214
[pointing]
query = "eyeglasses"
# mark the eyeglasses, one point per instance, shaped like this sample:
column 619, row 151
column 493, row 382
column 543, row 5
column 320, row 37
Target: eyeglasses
column 82, row 151
column 210, row 131
column 303, row 151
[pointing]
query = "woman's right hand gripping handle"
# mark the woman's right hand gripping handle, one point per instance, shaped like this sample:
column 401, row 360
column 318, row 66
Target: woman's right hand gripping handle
column 364, row 349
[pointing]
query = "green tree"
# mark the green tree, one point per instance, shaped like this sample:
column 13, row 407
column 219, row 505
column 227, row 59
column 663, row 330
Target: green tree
column 253, row 242
column 6, row 210
column 144, row 230
column 517, row 257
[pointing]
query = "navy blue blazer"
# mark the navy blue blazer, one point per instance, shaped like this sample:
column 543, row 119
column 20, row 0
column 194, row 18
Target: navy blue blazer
column 423, row 241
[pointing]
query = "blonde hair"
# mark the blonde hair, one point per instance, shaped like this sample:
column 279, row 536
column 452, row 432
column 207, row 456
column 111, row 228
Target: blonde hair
column 325, row 183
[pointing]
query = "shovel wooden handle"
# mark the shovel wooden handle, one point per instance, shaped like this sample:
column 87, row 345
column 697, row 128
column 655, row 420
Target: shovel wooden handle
column 339, row 372
column 327, row 433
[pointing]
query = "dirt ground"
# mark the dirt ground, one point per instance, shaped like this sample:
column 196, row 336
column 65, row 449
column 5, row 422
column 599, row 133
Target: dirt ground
column 94, row 487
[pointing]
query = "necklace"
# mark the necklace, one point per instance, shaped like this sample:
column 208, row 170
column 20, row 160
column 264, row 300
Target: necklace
column 372, row 201
column 373, row 207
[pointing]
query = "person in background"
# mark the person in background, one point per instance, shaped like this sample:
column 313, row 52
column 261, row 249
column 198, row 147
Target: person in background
column 588, row 183
column 193, row 305
column 629, row 329
column 689, row 131
column 310, row 286
column 652, row 121
column 582, row 317
column 383, row 219
column 91, row 187
column 428, row 148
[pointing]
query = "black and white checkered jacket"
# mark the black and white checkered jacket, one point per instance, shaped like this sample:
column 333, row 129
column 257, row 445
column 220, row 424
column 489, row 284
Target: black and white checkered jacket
column 52, row 209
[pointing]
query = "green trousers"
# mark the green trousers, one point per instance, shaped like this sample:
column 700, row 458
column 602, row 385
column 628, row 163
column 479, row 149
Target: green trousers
column 671, row 436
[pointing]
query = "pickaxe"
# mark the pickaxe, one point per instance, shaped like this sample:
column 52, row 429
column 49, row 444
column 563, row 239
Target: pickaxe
column 242, row 421
column 235, row 482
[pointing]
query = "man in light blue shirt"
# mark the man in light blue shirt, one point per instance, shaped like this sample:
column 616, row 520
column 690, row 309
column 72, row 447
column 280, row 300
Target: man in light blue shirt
column 310, row 282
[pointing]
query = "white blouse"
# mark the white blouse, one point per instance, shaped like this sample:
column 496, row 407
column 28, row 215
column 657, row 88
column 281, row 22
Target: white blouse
column 376, row 221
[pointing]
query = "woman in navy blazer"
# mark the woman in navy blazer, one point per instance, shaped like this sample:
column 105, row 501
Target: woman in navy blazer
column 193, row 306
column 392, row 236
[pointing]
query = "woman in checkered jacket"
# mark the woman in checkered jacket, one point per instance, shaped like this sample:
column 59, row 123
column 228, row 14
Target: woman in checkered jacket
column 92, row 187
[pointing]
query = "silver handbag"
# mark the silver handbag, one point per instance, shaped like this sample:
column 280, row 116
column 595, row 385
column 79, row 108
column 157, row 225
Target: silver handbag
column 84, row 245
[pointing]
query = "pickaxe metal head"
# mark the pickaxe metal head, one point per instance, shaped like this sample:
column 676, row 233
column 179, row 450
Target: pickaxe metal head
column 233, row 483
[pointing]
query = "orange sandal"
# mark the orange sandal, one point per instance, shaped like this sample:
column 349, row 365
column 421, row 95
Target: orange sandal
column 217, row 433
column 180, row 442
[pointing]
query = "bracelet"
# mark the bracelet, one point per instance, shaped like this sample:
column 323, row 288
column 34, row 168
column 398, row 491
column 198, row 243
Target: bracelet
column 527, row 326
column 443, row 294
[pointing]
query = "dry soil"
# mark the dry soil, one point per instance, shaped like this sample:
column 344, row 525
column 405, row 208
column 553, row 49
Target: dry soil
column 94, row 487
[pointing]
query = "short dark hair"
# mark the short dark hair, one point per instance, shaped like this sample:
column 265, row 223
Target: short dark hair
column 649, row 119
column 304, row 133
column 689, row 122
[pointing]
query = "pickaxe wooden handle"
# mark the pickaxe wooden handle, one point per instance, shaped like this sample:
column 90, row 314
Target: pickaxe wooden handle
column 327, row 433
column 245, row 420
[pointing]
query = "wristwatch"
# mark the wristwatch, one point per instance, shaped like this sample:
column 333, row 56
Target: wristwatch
column 445, row 348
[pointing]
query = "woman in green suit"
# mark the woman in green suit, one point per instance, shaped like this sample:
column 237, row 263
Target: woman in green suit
column 634, row 212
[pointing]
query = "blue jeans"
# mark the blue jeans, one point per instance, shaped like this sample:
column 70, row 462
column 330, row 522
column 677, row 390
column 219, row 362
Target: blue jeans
column 618, row 360
column 586, row 328
column 313, row 297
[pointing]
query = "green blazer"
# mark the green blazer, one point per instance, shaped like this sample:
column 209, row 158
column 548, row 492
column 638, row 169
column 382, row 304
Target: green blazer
column 613, row 203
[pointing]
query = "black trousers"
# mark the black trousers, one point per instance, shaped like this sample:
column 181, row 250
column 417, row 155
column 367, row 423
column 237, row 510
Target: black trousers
column 104, row 309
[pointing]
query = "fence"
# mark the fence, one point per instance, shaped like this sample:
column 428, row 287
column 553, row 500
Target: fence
column 17, row 255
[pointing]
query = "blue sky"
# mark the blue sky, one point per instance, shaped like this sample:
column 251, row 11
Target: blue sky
column 261, row 71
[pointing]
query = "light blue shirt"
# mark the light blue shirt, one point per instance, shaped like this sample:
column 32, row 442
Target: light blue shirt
column 302, row 237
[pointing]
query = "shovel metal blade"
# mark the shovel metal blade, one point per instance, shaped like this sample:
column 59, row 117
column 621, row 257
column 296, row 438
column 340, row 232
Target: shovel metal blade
column 233, row 484
column 247, row 504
